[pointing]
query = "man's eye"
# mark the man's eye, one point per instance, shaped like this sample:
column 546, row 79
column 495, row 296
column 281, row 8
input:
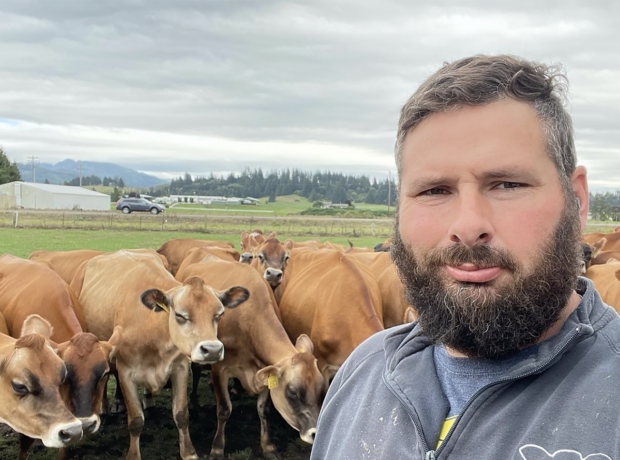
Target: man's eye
column 434, row 191
column 509, row 185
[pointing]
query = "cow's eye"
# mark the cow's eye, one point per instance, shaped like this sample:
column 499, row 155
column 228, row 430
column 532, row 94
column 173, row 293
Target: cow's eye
column 260, row 257
column 180, row 318
column 286, row 258
column 20, row 388
column 291, row 392
column 218, row 317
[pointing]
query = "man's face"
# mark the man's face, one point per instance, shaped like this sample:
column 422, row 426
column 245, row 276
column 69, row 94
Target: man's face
column 485, row 243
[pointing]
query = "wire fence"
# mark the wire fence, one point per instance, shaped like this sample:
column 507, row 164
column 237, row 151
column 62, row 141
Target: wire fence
column 293, row 225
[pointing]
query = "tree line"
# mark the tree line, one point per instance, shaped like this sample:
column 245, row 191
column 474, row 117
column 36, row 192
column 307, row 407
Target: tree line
column 605, row 206
column 96, row 180
column 318, row 186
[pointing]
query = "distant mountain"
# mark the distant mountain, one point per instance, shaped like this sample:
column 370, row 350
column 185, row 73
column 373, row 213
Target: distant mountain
column 68, row 169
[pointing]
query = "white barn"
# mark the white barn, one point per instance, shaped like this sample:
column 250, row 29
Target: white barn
column 47, row 196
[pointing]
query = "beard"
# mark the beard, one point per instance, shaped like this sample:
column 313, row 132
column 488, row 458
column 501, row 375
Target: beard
column 497, row 318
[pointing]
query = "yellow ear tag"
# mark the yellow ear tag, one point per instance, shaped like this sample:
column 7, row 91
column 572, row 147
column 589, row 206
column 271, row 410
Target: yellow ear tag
column 272, row 382
column 301, row 350
column 164, row 307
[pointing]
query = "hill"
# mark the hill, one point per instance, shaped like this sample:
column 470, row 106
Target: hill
column 68, row 169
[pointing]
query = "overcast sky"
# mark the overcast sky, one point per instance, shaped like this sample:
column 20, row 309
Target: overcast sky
column 172, row 86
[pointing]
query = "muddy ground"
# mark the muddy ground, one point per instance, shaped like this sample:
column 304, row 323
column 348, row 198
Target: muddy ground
column 159, row 438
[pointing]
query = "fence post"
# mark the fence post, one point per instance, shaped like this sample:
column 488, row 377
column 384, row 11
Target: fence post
column 15, row 219
column 63, row 219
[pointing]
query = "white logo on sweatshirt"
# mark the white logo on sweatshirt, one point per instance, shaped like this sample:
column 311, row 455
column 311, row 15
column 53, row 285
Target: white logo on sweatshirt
column 534, row 452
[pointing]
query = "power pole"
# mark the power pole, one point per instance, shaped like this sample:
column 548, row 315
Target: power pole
column 80, row 169
column 389, row 190
column 33, row 163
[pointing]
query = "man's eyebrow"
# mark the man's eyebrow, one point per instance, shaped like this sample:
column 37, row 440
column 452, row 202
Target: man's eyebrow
column 515, row 174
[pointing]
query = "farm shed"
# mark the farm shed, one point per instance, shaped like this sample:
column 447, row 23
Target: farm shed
column 46, row 196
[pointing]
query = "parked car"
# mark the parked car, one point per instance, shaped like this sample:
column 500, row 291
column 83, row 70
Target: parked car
column 128, row 205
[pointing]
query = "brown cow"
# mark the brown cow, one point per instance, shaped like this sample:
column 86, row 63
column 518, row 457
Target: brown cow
column 176, row 250
column 30, row 377
column 3, row 329
column 28, row 287
column 260, row 354
column 611, row 243
column 250, row 241
column 164, row 323
column 65, row 263
column 385, row 274
column 606, row 279
column 271, row 258
column 334, row 299
column 605, row 256
column 384, row 247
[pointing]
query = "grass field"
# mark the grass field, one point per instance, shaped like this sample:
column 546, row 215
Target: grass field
column 22, row 241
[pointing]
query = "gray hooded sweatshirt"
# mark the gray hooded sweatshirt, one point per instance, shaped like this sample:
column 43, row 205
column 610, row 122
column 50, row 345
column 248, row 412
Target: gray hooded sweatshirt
column 561, row 403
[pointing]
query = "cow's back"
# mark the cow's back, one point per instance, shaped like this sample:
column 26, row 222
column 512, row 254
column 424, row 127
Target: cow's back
column 332, row 298
column 65, row 263
column 111, row 288
column 28, row 287
column 606, row 279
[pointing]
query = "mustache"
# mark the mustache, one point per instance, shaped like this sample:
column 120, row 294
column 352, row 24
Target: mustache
column 480, row 256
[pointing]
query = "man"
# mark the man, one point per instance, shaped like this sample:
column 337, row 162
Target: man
column 513, row 356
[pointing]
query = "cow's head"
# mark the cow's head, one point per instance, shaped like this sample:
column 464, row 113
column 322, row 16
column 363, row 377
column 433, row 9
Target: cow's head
column 271, row 259
column 194, row 311
column 384, row 247
column 250, row 242
column 297, row 388
column 30, row 377
column 86, row 359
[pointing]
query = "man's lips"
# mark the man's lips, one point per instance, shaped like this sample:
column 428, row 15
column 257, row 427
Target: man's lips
column 469, row 273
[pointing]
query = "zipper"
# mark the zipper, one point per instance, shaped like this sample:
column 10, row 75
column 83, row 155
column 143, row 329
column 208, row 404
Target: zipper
column 432, row 454
column 534, row 371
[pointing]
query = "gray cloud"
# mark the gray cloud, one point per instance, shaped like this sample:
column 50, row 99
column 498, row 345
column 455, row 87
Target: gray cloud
column 332, row 73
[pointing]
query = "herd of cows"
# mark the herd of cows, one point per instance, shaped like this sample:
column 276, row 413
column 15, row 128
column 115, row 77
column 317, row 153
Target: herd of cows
column 280, row 318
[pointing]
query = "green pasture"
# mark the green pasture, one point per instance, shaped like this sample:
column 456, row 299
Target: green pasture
column 22, row 241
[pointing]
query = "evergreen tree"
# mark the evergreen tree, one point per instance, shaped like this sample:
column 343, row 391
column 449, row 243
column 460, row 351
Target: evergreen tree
column 9, row 172
column 116, row 194
column 46, row 181
column 272, row 197
column 121, row 183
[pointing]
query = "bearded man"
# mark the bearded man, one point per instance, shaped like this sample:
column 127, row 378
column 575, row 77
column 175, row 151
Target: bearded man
column 514, row 356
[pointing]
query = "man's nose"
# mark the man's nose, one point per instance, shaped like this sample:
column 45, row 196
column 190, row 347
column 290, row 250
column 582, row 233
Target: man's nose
column 472, row 220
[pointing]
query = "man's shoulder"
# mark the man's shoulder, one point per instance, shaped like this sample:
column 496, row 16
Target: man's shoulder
column 372, row 352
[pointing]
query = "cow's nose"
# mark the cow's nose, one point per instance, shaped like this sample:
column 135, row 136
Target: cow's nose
column 308, row 436
column 209, row 352
column 273, row 274
column 70, row 434
column 246, row 258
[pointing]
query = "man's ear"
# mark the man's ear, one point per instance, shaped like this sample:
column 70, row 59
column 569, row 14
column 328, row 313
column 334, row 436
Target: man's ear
column 579, row 182
column 156, row 300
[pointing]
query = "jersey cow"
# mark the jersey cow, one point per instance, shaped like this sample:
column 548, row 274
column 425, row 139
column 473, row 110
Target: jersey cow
column 27, row 288
column 271, row 258
column 606, row 279
column 30, row 377
column 176, row 250
column 611, row 243
column 260, row 354
column 164, row 322
column 332, row 298
column 65, row 263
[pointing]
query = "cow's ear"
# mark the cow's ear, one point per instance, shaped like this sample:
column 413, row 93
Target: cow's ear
column 156, row 300
column 289, row 244
column 268, row 377
column 409, row 316
column 304, row 344
column 109, row 347
column 233, row 297
column 596, row 247
column 272, row 235
column 34, row 324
